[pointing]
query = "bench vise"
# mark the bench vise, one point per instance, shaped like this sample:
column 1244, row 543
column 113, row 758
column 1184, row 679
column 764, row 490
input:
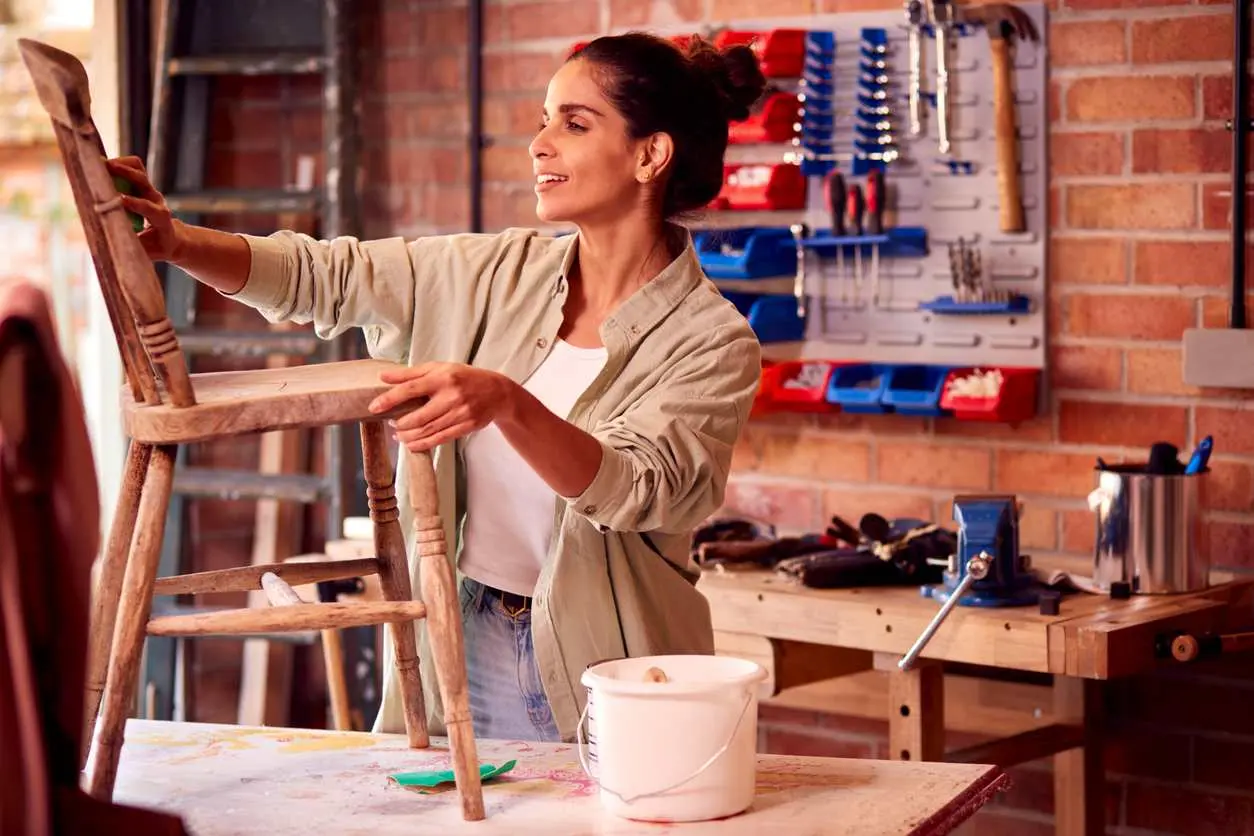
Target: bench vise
column 987, row 570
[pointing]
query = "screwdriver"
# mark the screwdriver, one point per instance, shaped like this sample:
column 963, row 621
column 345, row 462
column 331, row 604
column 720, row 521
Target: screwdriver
column 875, row 226
column 834, row 188
column 854, row 206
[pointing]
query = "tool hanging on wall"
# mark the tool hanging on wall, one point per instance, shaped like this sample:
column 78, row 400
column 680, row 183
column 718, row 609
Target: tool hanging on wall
column 915, row 20
column 940, row 14
column 875, row 226
column 834, row 200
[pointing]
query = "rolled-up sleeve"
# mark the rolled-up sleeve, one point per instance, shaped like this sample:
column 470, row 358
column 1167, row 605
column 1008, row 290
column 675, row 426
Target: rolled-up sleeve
column 379, row 286
column 665, row 461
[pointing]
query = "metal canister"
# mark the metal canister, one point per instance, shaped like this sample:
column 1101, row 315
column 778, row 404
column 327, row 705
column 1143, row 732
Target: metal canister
column 1149, row 531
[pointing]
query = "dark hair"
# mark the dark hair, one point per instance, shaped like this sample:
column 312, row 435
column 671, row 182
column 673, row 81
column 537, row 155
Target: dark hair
column 691, row 94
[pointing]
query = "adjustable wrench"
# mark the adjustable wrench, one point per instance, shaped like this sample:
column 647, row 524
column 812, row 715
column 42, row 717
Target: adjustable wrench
column 915, row 20
column 941, row 16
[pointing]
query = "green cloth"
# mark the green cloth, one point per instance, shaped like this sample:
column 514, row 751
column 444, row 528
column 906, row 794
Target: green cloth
column 434, row 779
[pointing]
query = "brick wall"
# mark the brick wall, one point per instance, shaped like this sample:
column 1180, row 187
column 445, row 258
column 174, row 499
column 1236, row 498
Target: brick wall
column 1138, row 252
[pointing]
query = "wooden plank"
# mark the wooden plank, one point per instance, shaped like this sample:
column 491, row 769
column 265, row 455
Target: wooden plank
column 1023, row 747
column 882, row 620
column 243, row 578
column 1080, row 774
column 916, row 709
column 290, row 618
column 229, row 780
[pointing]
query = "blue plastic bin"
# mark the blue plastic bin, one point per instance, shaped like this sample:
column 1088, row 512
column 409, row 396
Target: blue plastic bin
column 748, row 253
column 858, row 388
column 915, row 390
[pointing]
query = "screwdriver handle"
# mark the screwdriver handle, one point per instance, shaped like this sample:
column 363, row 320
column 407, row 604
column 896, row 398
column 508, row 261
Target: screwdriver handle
column 875, row 202
column 834, row 193
column 854, row 208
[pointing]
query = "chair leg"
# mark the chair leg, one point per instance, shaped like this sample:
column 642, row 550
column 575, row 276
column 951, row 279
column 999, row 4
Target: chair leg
column 104, row 612
column 134, row 608
column 389, row 544
column 439, row 592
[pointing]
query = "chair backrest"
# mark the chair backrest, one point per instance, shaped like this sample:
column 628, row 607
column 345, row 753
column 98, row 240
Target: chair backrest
column 131, row 289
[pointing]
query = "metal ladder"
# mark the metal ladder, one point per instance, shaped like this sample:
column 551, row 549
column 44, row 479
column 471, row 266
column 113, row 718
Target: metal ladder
column 200, row 41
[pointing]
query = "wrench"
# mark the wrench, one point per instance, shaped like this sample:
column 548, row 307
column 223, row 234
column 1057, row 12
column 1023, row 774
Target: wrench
column 914, row 16
column 941, row 13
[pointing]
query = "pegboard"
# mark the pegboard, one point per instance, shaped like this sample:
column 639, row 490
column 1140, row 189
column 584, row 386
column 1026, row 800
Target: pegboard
column 923, row 191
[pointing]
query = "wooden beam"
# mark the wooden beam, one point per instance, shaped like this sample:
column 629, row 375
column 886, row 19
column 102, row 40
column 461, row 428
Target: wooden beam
column 916, row 709
column 286, row 619
column 247, row 578
column 1080, row 774
column 1021, row 748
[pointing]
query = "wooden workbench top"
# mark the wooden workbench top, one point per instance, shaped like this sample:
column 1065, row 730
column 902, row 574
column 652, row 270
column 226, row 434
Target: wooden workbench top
column 1093, row 636
column 240, row 780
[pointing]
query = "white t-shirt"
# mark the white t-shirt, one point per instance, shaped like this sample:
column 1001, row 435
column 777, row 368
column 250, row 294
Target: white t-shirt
column 509, row 509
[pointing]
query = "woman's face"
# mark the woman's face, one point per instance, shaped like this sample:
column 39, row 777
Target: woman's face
column 584, row 162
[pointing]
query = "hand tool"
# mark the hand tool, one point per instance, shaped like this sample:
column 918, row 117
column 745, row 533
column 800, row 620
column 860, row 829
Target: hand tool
column 854, row 206
column 799, row 281
column 1003, row 23
column 1197, row 462
column 914, row 17
column 875, row 226
column 834, row 188
column 941, row 16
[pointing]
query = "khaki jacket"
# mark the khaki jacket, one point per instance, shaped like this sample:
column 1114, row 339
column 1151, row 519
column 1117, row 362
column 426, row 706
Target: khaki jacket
column 682, row 370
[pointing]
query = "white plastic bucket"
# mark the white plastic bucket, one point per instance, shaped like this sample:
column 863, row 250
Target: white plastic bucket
column 680, row 750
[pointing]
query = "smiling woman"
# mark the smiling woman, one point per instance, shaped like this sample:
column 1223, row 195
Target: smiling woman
column 583, row 393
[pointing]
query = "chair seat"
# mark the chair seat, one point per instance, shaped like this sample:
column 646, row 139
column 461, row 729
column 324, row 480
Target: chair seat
column 236, row 403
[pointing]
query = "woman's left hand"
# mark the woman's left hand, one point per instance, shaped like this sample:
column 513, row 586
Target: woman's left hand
column 461, row 399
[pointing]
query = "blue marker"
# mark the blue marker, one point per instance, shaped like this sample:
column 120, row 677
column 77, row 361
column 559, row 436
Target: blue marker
column 1200, row 456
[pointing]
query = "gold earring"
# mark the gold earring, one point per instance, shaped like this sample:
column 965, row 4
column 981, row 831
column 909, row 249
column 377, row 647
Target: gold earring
column 644, row 178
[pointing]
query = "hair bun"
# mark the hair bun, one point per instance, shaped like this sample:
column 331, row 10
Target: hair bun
column 734, row 72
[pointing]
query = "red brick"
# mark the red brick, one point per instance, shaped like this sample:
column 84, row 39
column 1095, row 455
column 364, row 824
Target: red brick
column 1131, row 98
column 1119, row 424
column 804, row 742
column 440, row 24
column 1130, row 317
column 1051, row 474
column 1188, row 812
column 507, row 163
column 904, row 463
column 1217, row 205
column 1132, row 206
column 1040, row 428
column 1087, row 42
column 1182, row 263
column 505, row 206
column 1230, row 486
column 880, row 425
column 518, row 71
column 1193, row 38
column 1078, row 530
column 1217, row 97
column 495, row 23
column 442, row 119
column 1144, row 751
column 1088, row 260
column 1038, row 528
column 1085, row 367
column 1085, row 5
column 1223, row 763
column 1156, row 371
column 791, row 507
column 852, row 504
column 1192, row 151
column 1085, row 154
column 399, row 28
column 1053, row 102
column 450, row 205
column 731, row 10
column 634, row 13
column 1231, row 544
column 1215, row 314
column 515, row 117
column 809, row 455
column 241, row 169
column 1233, row 429
column 561, row 19
column 995, row 821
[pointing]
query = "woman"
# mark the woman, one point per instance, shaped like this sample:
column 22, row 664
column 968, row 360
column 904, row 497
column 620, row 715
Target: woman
column 592, row 386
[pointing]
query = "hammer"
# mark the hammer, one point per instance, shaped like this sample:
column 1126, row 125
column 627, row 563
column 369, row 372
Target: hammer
column 1003, row 22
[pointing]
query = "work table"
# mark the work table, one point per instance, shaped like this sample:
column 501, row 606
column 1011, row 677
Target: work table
column 240, row 780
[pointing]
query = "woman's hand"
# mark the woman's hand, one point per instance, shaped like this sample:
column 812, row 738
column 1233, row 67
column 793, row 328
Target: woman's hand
column 162, row 238
column 461, row 399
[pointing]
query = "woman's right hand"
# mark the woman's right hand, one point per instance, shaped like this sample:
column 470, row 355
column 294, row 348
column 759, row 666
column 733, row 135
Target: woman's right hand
column 162, row 236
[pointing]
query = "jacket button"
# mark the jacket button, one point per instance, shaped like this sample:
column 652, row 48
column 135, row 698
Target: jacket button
column 589, row 509
column 541, row 343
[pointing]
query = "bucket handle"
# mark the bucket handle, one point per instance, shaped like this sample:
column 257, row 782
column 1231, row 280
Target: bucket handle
column 582, row 743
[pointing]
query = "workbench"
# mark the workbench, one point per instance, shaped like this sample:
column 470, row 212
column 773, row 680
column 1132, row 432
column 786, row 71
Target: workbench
column 802, row 635
column 239, row 780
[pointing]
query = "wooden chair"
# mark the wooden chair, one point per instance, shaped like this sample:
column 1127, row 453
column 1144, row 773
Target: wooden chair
column 164, row 407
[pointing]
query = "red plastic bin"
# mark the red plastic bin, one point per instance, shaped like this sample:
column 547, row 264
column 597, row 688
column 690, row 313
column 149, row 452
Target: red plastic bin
column 780, row 52
column 1014, row 401
column 801, row 386
column 758, row 187
column 776, row 121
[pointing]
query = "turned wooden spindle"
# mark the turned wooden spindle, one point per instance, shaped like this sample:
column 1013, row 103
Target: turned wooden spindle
column 435, row 575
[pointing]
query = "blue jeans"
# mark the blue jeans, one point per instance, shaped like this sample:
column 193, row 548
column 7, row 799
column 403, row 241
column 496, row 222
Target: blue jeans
column 507, row 699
